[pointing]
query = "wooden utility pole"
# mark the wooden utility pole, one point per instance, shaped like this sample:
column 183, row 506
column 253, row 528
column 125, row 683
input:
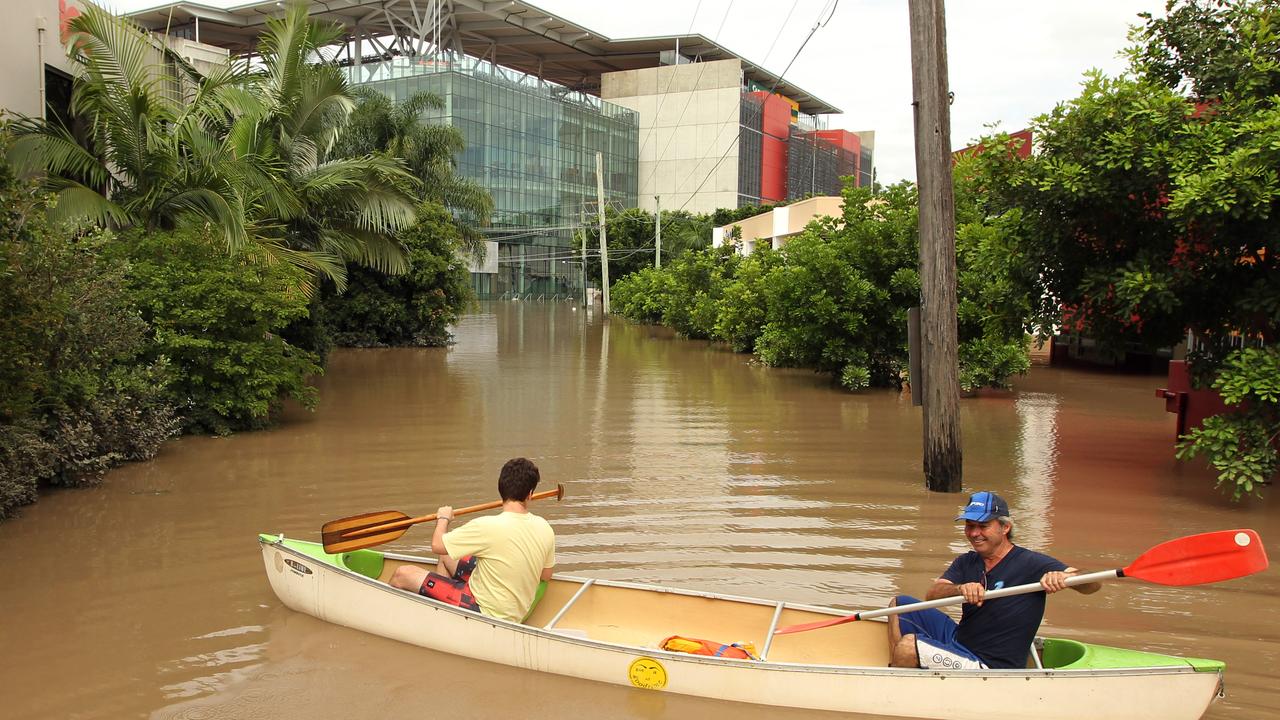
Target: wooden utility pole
column 943, row 467
column 657, row 238
column 604, row 248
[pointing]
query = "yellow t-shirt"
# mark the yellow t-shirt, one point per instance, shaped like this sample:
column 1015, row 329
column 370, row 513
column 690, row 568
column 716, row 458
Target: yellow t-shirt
column 512, row 549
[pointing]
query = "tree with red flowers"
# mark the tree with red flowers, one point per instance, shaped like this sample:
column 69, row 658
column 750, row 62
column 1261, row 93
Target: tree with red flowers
column 1152, row 208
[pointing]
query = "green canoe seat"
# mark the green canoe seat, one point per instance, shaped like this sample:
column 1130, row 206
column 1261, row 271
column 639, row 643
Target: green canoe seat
column 1060, row 654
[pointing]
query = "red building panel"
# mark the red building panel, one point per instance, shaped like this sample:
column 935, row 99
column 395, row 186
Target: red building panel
column 851, row 158
column 773, row 155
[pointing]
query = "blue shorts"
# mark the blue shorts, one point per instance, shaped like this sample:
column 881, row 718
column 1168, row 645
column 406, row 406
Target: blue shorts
column 936, row 644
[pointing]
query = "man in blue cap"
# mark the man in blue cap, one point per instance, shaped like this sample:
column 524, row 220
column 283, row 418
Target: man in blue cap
column 992, row 634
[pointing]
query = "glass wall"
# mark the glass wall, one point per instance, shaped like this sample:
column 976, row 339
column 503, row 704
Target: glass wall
column 750, row 149
column 532, row 145
column 865, row 172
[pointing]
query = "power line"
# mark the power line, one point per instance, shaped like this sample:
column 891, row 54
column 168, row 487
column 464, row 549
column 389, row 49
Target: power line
column 702, row 67
column 672, row 79
column 820, row 23
column 778, row 36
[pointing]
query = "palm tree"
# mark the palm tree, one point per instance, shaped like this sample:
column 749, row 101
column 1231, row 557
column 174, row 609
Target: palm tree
column 347, row 208
column 141, row 155
column 241, row 150
column 397, row 129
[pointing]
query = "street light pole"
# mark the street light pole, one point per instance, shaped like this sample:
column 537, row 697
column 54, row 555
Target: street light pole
column 657, row 240
column 604, row 247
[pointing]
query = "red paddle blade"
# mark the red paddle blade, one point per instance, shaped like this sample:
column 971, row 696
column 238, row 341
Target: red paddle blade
column 815, row 625
column 1198, row 559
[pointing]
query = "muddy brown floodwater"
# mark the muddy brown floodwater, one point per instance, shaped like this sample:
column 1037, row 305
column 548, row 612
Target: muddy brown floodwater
column 685, row 465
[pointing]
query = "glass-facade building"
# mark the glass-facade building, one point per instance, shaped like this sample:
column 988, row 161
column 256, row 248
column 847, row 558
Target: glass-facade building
column 533, row 146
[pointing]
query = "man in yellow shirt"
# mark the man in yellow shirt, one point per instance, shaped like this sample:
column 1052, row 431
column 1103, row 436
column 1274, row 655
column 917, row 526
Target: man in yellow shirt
column 493, row 564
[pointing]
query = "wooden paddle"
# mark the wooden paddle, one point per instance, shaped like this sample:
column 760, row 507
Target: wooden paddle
column 1191, row 560
column 375, row 528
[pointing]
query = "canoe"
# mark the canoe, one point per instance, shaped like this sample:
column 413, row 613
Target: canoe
column 610, row 632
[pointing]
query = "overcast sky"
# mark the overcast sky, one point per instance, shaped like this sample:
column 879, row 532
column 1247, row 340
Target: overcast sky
column 1009, row 60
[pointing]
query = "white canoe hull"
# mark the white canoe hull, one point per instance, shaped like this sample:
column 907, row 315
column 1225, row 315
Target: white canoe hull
column 337, row 595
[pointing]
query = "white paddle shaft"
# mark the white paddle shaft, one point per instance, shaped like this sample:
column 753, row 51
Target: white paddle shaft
column 990, row 595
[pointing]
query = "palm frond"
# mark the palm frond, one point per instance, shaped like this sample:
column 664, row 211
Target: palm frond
column 79, row 205
column 312, row 262
column 323, row 106
column 220, row 207
column 378, row 251
column 44, row 146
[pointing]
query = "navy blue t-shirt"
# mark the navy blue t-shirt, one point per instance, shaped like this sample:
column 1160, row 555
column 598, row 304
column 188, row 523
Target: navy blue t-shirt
column 1000, row 632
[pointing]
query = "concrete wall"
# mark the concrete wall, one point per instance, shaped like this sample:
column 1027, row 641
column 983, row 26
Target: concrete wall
column 21, row 46
column 689, row 117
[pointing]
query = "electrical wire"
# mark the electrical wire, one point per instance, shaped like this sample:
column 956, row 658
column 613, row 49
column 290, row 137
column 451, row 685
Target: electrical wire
column 665, row 91
column 776, row 37
column 820, row 23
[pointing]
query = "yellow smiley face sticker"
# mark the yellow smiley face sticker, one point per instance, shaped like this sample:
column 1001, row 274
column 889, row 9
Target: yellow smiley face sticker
column 647, row 673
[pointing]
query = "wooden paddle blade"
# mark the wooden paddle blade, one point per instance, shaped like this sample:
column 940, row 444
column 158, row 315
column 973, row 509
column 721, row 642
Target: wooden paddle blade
column 366, row 520
column 1199, row 559
column 350, row 533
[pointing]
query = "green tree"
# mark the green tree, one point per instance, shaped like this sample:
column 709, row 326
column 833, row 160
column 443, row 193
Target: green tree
column 415, row 308
column 1210, row 48
column 154, row 144
column 78, row 394
column 216, row 321
column 306, row 198
column 137, row 153
column 1148, row 212
column 632, row 237
column 835, row 297
column 401, row 130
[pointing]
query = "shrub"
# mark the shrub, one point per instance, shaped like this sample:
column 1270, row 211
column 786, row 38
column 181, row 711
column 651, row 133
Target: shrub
column 1241, row 444
column 643, row 296
column 835, row 297
column 742, row 309
column 416, row 308
column 986, row 362
column 217, row 320
column 698, row 278
column 80, row 397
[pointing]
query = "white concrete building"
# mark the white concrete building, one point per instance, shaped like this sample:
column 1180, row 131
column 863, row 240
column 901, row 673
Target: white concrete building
column 775, row 227
column 31, row 50
column 689, row 119
column 37, row 71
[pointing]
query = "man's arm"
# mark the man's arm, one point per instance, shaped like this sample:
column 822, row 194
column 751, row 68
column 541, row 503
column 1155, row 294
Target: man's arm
column 1052, row 582
column 443, row 516
column 943, row 588
column 546, row 573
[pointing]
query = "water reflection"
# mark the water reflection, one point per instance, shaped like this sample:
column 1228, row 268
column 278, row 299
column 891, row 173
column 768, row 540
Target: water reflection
column 685, row 464
column 1036, row 465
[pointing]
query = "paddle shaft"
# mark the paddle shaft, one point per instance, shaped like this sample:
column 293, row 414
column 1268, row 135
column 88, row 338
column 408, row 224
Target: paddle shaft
column 1191, row 560
column 941, row 602
column 989, row 595
column 398, row 524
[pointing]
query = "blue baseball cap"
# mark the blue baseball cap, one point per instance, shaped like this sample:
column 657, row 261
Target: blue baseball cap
column 984, row 506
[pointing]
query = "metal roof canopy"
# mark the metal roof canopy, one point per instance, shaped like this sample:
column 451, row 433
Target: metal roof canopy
column 508, row 33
